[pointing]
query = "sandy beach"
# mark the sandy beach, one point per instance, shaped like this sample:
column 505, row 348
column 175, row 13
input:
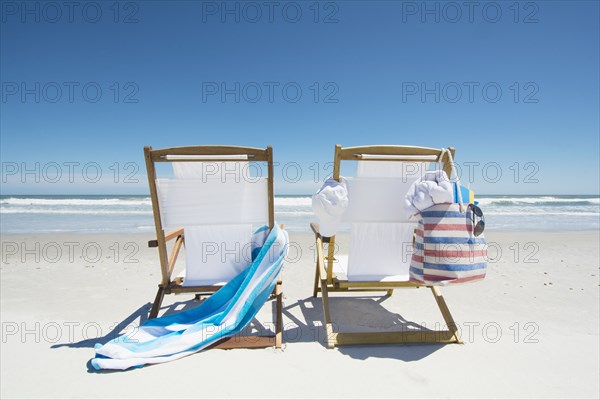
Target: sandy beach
column 531, row 328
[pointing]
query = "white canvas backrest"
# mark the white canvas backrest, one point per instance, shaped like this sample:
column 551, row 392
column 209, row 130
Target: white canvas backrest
column 381, row 234
column 200, row 196
column 213, row 170
column 217, row 204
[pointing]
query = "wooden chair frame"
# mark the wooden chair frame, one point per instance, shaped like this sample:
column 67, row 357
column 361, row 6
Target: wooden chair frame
column 326, row 281
column 168, row 285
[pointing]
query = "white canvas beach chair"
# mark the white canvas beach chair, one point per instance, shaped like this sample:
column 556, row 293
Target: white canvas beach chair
column 211, row 208
column 381, row 239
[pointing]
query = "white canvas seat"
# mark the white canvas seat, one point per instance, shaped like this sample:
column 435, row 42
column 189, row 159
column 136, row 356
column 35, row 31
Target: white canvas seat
column 210, row 207
column 381, row 233
column 206, row 262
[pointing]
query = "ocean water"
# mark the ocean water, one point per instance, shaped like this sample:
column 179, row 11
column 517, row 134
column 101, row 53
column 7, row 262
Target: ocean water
column 108, row 213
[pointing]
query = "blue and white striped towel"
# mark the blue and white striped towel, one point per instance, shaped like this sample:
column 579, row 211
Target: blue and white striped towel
column 222, row 315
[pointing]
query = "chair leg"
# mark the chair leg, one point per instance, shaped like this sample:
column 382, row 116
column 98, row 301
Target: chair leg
column 157, row 302
column 389, row 292
column 327, row 317
column 446, row 313
column 316, row 286
column 278, row 316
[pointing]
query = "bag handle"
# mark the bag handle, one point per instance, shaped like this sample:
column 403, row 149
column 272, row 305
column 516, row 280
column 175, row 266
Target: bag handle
column 453, row 170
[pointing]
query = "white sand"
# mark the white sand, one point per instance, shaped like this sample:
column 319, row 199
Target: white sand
column 542, row 293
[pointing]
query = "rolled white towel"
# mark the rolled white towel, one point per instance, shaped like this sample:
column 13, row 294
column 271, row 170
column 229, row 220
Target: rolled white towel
column 441, row 189
column 329, row 205
column 432, row 188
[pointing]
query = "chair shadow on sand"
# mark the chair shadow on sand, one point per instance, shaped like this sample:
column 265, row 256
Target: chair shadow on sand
column 140, row 317
column 364, row 311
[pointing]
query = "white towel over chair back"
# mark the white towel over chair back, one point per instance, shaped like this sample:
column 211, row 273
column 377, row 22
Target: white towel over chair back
column 381, row 234
column 217, row 204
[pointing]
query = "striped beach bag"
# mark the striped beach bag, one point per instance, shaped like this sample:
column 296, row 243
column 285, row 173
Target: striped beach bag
column 449, row 245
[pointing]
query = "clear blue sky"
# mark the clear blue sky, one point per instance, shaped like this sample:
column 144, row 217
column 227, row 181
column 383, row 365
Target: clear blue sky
column 388, row 72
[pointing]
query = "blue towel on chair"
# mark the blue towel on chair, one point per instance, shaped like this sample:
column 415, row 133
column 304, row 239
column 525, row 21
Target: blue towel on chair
column 222, row 315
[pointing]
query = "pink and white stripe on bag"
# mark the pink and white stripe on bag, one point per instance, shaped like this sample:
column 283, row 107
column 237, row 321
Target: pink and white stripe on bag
column 446, row 250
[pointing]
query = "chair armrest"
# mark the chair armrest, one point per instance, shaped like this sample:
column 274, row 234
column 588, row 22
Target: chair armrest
column 315, row 228
column 169, row 236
